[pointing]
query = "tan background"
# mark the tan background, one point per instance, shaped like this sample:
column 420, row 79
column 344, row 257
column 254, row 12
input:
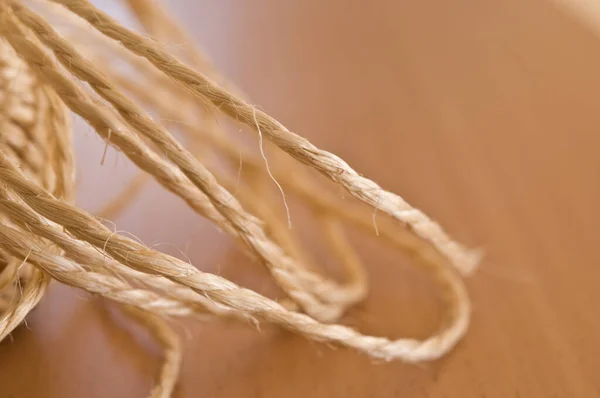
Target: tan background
column 484, row 113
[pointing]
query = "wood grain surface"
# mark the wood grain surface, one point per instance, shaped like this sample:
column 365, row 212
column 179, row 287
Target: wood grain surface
column 484, row 113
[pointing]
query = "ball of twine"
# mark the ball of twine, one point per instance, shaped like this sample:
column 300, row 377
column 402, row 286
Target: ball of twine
column 43, row 236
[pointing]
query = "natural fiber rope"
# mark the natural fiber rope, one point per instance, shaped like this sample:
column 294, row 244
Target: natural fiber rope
column 135, row 255
column 174, row 301
column 298, row 147
column 51, row 237
column 171, row 107
column 299, row 285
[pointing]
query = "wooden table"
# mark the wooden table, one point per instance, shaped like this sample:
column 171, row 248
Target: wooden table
column 483, row 113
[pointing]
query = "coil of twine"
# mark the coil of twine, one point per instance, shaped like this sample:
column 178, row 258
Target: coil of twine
column 44, row 236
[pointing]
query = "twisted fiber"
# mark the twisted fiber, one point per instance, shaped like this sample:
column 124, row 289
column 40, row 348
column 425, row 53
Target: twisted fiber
column 141, row 258
column 171, row 106
column 35, row 285
column 173, row 300
column 71, row 272
column 298, row 147
column 169, row 109
column 23, row 244
column 163, row 28
column 371, row 340
column 248, row 228
column 169, row 288
column 30, row 297
column 360, row 218
column 109, row 49
column 160, row 24
column 249, row 197
column 311, row 194
column 102, row 120
column 99, row 118
column 298, row 283
column 277, row 230
column 232, row 151
column 354, row 290
column 299, row 184
column 66, row 271
column 62, row 162
column 81, row 31
column 315, row 198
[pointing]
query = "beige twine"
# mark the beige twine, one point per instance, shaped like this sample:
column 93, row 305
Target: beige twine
column 44, row 236
column 27, row 113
